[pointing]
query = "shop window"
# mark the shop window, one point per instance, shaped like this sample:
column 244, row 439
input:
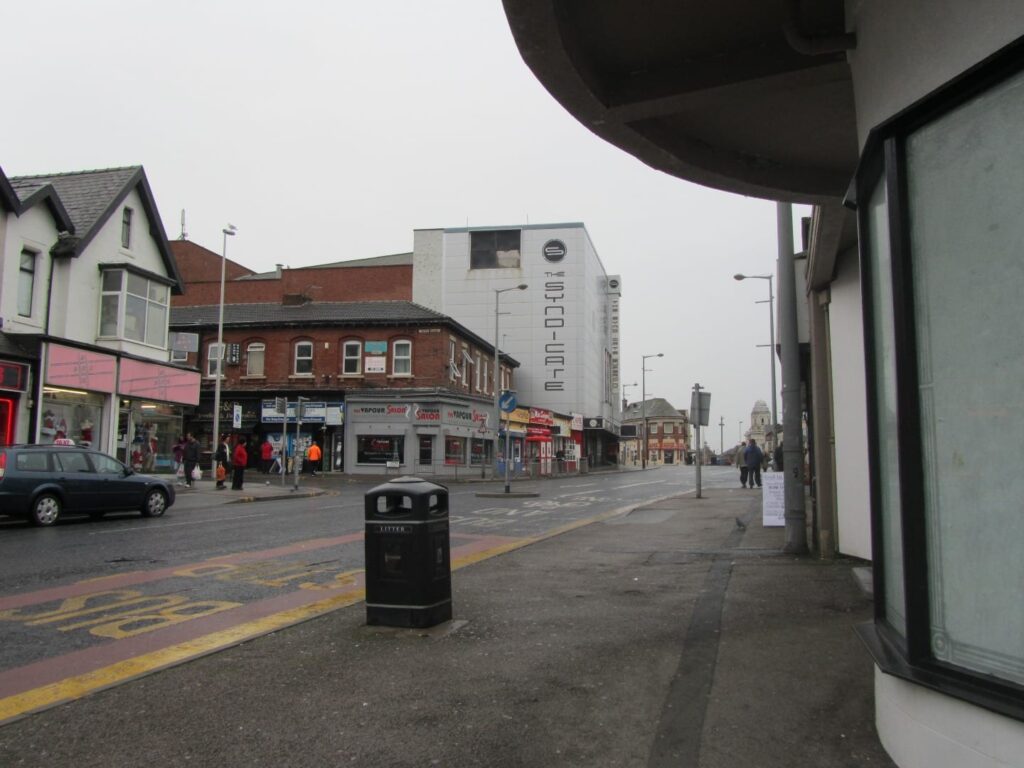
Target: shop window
column 351, row 358
column 426, row 455
column 254, row 357
column 497, row 249
column 126, row 228
column 479, row 452
column 379, row 449
column 304, row 358
column 26, row 282
column 939, row 200
column 214, row 356
column 455, row 450
column 134, row 307
column 401, row 358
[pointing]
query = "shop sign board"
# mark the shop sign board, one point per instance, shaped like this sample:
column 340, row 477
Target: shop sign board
column 81, row 369
column 151, row 381
column 312, row 413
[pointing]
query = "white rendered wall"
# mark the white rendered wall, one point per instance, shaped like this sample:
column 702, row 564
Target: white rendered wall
column 34, row 230
column 920, row 728
column 905, row 50
column 570, row 354
column 908, row 48
column 77, row 285
column 849, row 394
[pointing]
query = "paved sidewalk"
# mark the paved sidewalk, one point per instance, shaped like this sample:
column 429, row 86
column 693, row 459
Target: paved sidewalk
column 670, row 636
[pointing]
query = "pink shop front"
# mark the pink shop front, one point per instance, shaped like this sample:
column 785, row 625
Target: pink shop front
column 120, row 405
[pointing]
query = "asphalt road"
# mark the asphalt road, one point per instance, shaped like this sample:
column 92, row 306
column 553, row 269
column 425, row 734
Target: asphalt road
column 93, row 603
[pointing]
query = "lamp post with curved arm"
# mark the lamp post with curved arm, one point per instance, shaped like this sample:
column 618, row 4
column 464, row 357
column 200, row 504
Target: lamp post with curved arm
column 229, row 231
column 497, row 381
column 771, row 336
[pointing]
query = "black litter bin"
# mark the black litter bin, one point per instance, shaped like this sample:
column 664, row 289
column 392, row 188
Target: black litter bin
column 408, row 555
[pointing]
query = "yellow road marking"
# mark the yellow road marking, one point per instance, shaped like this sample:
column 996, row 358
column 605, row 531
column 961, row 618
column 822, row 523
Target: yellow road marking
column 77, row 686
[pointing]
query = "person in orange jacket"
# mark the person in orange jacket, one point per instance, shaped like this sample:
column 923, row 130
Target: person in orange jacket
column 314, row 455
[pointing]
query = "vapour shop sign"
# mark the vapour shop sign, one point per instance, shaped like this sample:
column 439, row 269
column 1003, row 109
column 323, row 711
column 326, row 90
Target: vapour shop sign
column 420, row 414
column 555, row 335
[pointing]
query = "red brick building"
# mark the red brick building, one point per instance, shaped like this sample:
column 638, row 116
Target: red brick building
column 385, row 380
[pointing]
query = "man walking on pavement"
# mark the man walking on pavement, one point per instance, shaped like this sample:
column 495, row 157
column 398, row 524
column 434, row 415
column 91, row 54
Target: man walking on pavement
column 741, row 462
column 314, row 455
column 191, row 455
column 754, row 458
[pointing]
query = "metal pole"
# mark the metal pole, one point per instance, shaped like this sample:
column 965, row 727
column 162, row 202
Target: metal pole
column 298, row 434
column 721, row 435
column 508, row 452
column 771, row 321
column 228, row 231
column 700, row 451
column 793, row 452
column 497, row 387
column 284, row 445
column 643, row 415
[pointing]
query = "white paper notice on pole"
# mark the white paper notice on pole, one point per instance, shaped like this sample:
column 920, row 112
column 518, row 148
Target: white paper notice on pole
column 773, row 499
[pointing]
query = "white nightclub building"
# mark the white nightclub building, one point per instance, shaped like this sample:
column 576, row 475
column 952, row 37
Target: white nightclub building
column 563, row 327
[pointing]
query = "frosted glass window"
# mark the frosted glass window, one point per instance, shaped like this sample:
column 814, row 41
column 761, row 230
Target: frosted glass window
column 965, row 176
column 885, row 416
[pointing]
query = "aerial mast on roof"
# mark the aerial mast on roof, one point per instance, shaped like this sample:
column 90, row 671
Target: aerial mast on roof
column 184, row 234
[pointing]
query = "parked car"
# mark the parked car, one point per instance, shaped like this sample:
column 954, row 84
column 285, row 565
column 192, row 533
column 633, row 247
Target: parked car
column 44, row 482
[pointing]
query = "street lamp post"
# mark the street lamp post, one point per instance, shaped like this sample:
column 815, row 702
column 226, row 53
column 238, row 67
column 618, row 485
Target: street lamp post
column 229, row 231
column 643, row 406
column 771, row 329
column 497, row 381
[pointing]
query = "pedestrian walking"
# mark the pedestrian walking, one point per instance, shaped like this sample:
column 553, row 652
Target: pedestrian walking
column 314, row 454
column 179, row 456
column 191, row 457
column 741, row 462
column 266, row 456
column 223, row 459
column 754, row 457
column 240, row 459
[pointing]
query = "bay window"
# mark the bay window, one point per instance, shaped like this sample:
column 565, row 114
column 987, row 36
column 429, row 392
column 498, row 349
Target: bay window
column 133, row 307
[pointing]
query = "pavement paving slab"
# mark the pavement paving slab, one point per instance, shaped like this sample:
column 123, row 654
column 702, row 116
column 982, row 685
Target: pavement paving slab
column 670, row 635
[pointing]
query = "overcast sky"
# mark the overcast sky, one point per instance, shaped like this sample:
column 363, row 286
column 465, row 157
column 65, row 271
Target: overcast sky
column 328, row 131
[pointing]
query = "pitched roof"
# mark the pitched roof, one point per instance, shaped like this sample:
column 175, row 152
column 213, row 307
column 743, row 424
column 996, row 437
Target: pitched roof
column 324, row 313
column 13, row 201
column 656, row 408
column 91, row 197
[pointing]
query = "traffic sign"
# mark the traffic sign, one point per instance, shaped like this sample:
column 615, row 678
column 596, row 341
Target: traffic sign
column 507, row 401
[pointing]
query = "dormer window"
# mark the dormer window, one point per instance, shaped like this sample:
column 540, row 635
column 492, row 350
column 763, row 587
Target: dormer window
column 126, row 228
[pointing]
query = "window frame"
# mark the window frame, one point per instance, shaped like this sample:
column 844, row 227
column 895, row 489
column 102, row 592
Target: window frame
column 396, row 358
column 346, row 357
column 33, row 257
column 262, row 350
column 296, row 358
column 126, row 228
column 884, row 162
column 125, row 295
column 210, row 359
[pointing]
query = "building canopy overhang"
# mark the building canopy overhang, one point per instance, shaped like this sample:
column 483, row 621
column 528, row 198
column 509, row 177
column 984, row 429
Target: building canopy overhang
column 744, row 96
